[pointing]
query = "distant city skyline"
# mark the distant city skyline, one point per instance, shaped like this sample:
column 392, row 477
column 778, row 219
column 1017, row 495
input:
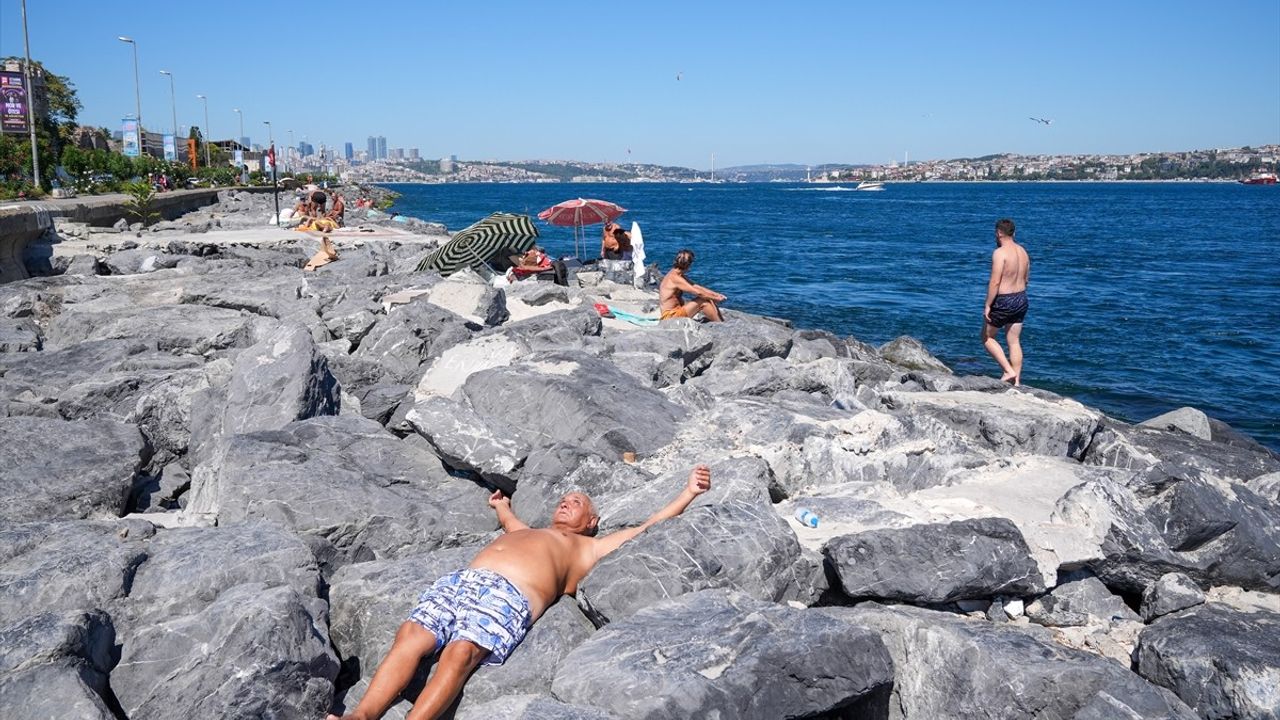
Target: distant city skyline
column 675, row 83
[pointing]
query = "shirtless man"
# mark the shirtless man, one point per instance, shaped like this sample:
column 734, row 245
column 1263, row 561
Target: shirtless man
column 339, row 212
column 676, row 284
column 1006, row 304
column 480, row 614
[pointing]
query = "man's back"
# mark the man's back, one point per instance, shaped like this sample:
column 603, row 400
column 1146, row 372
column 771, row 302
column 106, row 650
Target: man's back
column 1015, row 267
column 670, row 294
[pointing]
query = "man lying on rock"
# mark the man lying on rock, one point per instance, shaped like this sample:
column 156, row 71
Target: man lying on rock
column 480, row 614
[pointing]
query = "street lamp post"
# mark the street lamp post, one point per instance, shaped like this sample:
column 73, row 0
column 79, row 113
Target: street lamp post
column 173, row 104
column 240, row 139
column 206, row 129
column 137, row 91
column 275, row 187
column 31, row 113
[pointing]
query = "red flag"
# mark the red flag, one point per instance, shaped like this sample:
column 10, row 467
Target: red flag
column 271, row 155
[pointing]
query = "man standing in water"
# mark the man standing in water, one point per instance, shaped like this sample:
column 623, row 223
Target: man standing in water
column 480, row 614
column 1006, row 304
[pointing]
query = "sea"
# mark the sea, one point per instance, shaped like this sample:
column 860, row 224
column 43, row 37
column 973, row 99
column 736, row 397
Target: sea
column 1144, row 297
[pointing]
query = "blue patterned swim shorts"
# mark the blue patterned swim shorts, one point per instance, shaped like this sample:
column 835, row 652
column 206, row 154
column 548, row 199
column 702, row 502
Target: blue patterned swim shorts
column 476, row 605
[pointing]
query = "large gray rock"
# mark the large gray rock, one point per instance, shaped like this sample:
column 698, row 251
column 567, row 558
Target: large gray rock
column 467, row 294
column 559, row 330
column 255, row 651
column 1187, row 419
column 912, row 354
column 530, row 707
column 1223, row 662
column 1178, row 454
column 734, row 545
column 282, row 378
column 1223, row 533
column 181, row 328
column 20, row 336
column 56, row 665
column 1130, row 551
column 347, row 483
column 1085, row 596
column 1008, row 422
column 573, row 398
column 1171, row 593
column 59, row 469
column 370, row 600
column 410, row 335
column 936, row 563
column 551, row 472
column 188, row 568
column 67, row 566
column 724, row 654
column 466, row 442
column 953, row 667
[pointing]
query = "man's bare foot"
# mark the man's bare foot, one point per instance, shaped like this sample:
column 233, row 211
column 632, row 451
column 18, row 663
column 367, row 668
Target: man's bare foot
column 1009, row 377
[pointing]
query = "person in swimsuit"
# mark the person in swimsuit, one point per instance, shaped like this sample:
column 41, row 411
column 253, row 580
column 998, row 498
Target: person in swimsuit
column 480, row 614
column 1006, row 304
column 675, row 284
column 615, row 243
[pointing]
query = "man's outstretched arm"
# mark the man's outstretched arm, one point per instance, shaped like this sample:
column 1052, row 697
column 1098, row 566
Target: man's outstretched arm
column 501, row 504
column 699, row 482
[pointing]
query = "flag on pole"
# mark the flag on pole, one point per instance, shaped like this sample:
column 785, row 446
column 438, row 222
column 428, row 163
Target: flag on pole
column 271, row 156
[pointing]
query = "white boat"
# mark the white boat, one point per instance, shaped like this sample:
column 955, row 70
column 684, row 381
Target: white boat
column 870, row 186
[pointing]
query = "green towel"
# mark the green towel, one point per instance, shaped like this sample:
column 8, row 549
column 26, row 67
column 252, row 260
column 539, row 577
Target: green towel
column 641, row 320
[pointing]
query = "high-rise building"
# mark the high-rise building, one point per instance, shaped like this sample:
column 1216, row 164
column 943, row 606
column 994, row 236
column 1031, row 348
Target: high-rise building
column 244, row 142
column 348, row 152
column 373, row 148
column 305, row 149
column 382, row 148
column 413, row 154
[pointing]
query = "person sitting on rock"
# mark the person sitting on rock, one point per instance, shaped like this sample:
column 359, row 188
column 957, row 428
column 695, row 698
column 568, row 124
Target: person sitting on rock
column 676, row 283
column 338, row 210
column 531, row 263
column 615, row 243
column 480, row 614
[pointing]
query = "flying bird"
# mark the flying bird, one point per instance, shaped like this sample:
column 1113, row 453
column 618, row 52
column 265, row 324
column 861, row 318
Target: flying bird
column 678, row 76
column 1042, row 121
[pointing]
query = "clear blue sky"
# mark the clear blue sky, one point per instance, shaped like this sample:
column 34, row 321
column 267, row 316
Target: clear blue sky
column 803, row 82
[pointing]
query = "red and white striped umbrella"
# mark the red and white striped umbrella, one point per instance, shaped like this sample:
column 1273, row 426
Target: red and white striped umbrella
column 582, row 211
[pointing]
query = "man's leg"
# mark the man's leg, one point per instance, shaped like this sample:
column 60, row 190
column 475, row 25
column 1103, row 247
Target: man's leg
column 993, row 346
column 413, row 642
column 457, row 661
column 1013, row 335
column 706, row 307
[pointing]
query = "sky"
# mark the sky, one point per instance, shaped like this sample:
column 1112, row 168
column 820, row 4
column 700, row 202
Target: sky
column 679, row 82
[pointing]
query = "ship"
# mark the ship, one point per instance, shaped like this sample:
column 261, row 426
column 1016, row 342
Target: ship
column 870, row 185
column 1260, row 178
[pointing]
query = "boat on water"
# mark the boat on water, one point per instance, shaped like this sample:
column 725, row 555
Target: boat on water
column 870, row 186
column 1261, row 178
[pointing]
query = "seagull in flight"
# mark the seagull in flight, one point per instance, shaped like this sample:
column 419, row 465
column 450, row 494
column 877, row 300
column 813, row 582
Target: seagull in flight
column 1042, row 121
column 679, row 75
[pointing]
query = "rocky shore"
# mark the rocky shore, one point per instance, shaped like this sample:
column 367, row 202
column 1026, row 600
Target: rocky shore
column 227, row 481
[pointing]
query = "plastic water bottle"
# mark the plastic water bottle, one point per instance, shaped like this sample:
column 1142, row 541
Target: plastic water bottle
column 807, row 517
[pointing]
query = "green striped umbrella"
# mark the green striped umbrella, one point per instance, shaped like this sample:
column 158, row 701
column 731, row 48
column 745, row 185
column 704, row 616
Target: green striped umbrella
column 478, row 243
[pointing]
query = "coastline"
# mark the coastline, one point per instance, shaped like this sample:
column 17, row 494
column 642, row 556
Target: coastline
column 200, row 435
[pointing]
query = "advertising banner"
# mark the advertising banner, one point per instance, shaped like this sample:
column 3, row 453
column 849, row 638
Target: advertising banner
column 13, row 103
column 170, row 148
column 129, row 131
column 239, row 158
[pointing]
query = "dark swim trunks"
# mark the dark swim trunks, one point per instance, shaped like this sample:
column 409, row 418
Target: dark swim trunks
column 1008, row 309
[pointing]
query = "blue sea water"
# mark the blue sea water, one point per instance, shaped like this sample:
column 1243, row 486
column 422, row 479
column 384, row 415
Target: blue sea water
column 1144, row 296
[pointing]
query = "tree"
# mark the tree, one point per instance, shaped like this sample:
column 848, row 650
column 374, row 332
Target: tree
column 56, row 125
